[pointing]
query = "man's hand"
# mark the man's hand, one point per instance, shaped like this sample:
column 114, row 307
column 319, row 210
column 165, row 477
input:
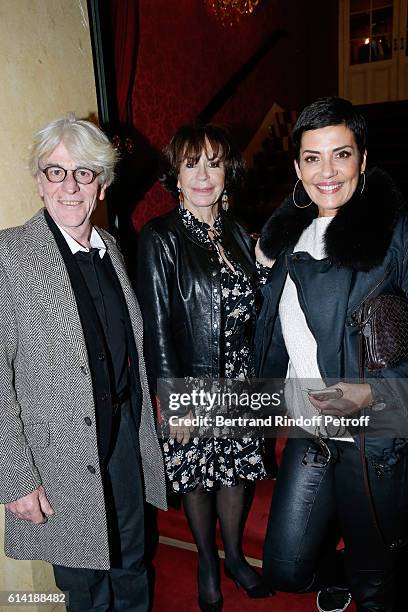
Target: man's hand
column 33, row 507
column 355, row 397
column 181, row 431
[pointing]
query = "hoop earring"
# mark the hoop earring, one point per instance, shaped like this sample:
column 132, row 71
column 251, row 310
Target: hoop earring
column 293, row 197
column 364, row 182
column 181, row 198
column 224, row 201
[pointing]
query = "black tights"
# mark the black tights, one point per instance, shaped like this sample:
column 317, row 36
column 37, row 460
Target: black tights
column 231, row 506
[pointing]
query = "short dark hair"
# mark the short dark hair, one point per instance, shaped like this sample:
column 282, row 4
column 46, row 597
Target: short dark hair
column 189, row 142
column 330, row 111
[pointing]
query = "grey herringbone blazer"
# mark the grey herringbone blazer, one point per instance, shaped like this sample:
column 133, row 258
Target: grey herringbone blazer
column 45, row 393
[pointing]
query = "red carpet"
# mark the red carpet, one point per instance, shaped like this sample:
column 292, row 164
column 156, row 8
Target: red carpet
column 176, row 589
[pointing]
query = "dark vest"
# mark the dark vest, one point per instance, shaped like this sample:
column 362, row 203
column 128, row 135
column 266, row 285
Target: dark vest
column 107, row 331
column 97, row 274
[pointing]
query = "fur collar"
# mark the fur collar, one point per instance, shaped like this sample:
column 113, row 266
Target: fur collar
column 359, row 235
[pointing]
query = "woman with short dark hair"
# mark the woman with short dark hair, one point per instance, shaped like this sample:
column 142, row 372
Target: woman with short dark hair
column 197, row 282
column 338, row 241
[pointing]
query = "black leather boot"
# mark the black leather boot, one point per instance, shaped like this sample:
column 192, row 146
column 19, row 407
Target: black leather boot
column 372, row 591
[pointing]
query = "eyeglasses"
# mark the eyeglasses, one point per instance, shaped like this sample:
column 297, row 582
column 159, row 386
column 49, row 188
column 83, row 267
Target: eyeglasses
column 56, row 174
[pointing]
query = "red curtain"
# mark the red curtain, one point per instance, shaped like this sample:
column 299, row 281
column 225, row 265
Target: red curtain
column 125, row 36
column 172, row 57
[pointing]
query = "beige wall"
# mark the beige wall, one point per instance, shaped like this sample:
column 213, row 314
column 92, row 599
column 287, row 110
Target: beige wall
column 45, row 71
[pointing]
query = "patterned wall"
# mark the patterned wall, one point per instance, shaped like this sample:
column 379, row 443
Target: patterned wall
column 185, row 56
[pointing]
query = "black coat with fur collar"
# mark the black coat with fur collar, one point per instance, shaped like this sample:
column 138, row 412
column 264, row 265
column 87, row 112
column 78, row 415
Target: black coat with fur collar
column 367, row 255
column 359, row 236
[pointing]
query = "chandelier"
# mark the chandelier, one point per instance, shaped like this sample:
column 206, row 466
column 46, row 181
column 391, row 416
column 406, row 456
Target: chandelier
column 229, row 12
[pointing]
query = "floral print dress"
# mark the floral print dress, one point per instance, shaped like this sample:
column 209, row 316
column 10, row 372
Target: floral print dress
column 215, row 461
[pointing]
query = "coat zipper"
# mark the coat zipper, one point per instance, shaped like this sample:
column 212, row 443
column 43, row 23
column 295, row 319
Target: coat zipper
column 357, row 314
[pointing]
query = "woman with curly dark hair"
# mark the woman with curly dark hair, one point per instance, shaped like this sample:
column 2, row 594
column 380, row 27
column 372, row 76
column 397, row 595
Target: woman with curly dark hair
column 197, row 282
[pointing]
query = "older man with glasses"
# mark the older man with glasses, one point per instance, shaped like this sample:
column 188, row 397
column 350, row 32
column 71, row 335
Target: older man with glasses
column 77, row 435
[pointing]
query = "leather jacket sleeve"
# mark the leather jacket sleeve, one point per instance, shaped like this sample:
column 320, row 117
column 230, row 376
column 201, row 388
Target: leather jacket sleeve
column 155, row 274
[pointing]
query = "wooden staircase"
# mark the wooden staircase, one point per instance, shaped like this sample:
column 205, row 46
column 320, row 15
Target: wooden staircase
column 271, row 174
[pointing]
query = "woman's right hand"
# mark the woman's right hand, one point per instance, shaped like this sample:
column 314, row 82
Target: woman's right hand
column 181, row 431
column 261, row 257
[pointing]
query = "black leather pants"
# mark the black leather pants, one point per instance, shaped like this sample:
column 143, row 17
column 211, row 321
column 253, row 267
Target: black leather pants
column 313, row 494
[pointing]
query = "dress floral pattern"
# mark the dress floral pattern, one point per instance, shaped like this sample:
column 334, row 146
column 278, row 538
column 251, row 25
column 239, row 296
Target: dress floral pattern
column 211, row 462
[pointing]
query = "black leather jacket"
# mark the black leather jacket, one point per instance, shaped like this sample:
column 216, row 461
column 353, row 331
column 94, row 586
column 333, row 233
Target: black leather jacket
column 179, row 289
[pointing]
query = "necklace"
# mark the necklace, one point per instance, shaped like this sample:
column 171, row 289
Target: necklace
column 215, row 237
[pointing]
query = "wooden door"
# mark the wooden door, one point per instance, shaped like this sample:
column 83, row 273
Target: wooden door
column 369, row 50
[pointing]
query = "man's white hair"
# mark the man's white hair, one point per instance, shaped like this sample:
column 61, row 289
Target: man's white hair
column 87, row 144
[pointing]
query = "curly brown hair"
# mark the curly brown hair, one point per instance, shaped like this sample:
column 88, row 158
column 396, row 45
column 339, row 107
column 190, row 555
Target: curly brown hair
column 189, row 142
